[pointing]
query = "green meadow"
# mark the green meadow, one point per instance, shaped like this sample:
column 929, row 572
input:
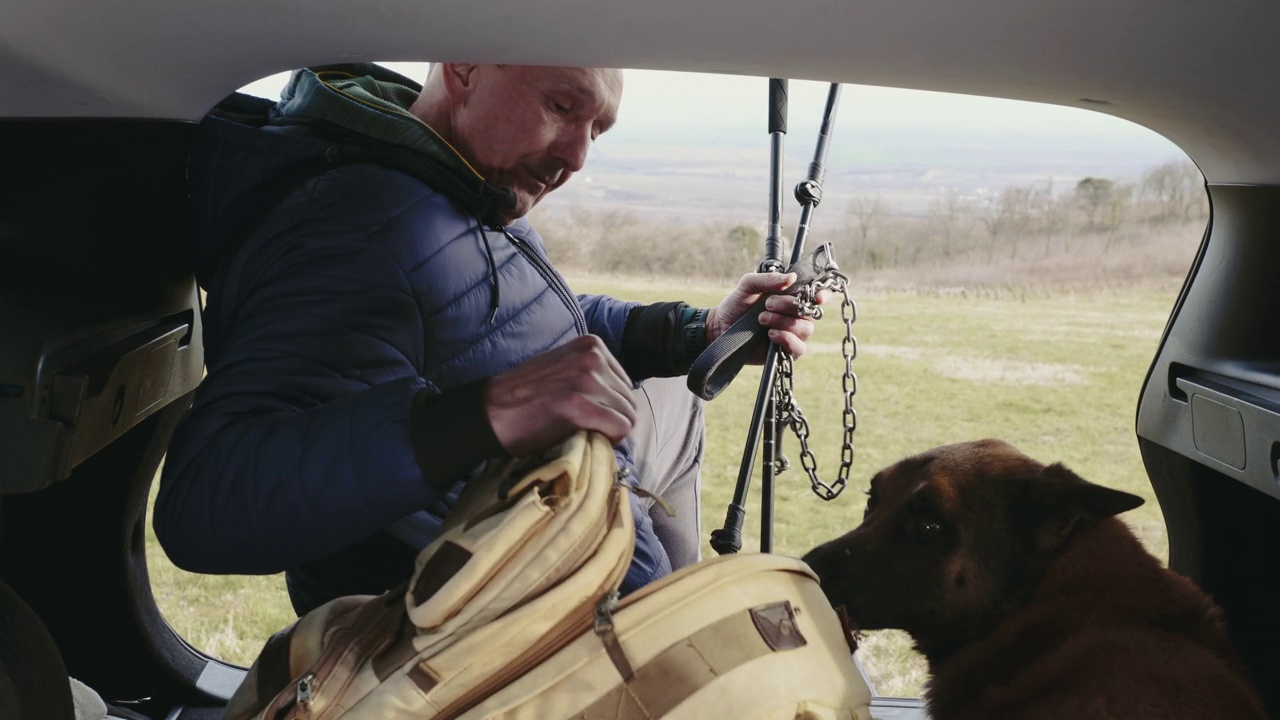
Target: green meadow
column 1057, row 373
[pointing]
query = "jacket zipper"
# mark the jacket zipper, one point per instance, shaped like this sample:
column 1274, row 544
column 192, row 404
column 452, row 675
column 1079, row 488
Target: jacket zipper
column 553, row 279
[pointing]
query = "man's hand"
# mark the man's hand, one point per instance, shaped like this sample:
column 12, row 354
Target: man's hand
column 545, row 399
column 782, row 316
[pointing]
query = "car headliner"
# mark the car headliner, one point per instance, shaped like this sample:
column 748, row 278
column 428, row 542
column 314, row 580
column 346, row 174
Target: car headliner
column 1202, row 73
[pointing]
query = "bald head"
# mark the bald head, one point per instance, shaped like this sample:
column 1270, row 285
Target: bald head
column 524, row 127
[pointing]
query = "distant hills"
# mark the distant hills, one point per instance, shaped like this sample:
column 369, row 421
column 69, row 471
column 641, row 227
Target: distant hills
column 712, row 173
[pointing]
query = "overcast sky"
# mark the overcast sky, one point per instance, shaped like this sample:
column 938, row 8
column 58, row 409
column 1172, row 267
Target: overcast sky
column 667, row 101
column 886, row 141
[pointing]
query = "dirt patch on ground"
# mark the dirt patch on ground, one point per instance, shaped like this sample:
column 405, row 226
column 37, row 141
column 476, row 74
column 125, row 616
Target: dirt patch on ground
column 977, row 369
column 1009, row 372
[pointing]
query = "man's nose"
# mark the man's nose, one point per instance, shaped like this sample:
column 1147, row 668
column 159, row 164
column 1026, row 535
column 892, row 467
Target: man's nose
column 572, row 147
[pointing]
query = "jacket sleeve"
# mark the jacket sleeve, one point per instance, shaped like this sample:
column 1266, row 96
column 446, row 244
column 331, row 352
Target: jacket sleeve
column 607, row 317
column 301, row 440
column 647, row 339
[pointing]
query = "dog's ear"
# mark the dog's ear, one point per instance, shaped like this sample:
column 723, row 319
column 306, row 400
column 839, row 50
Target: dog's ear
column 1061, row 500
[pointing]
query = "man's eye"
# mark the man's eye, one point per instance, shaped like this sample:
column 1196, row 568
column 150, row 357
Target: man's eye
column 559, row 107
column 871, row 502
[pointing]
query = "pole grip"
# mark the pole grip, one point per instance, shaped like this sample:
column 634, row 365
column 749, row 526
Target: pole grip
column 777, row 105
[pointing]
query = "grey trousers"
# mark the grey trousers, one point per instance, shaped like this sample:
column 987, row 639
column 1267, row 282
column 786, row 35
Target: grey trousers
column 668, row 440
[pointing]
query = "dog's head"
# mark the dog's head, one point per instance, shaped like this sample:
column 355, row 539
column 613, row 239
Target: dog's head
column 955, row 537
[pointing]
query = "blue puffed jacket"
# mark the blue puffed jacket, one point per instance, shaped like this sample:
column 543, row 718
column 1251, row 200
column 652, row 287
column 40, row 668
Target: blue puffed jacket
column 357, row 298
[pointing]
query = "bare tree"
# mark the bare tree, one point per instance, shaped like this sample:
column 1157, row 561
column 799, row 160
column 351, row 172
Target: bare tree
column 1177, row 189
column 1054, row 214
column 1120, row 199
column 1093, row 194
column 744, row 243
column 946, row 218
column 1008, row 215
column 869, row 210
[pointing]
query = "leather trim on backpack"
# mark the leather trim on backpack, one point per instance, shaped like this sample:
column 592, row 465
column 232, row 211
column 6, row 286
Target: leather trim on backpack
column 443, row 565
column 422, row 676
column 686, row 667
column 273, row 666
column 777, row 625
column 397, row 653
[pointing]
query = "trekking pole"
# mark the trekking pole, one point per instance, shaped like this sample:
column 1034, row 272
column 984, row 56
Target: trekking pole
column 729, row 538
column 764, row 416
column 809, row 191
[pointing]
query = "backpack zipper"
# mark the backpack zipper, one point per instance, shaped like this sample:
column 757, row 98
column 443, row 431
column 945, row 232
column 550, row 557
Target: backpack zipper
column 302, row 697
column 559, row 636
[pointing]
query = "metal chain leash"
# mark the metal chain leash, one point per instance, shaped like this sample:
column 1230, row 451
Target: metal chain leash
column 784, row 385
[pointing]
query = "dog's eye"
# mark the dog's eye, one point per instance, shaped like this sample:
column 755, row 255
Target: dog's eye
column 926, row 529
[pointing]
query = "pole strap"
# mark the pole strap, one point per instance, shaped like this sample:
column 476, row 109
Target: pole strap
column 720, row 363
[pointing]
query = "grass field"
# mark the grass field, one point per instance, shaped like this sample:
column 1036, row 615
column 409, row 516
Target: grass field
column 1057, row 374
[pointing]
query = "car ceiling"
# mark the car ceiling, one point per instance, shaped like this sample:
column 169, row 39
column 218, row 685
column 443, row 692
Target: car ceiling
column 1199, row 72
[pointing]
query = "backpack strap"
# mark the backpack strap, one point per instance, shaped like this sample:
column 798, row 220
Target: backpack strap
column 675, row 674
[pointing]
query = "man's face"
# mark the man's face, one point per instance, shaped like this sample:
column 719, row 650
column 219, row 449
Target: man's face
column 529, row 128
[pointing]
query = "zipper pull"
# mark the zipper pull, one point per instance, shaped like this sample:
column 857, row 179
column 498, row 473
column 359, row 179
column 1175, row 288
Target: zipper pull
column 604, row 613
column 608, row 638
column 620, row 479
column 661, row 502
column 306, row 688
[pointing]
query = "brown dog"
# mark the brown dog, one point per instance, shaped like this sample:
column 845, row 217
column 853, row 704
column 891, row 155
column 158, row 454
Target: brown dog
column 1027, row 597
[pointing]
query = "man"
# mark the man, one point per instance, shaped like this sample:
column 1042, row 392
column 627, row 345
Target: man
column 381, row 319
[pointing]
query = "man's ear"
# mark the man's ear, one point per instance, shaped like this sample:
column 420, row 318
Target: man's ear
column 459, row 78
column 1059, row 501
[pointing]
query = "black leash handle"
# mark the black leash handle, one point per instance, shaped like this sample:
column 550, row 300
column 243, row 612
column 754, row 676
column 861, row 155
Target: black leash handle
column 720, row 363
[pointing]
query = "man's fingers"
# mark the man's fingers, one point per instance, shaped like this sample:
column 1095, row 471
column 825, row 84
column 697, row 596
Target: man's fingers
column 615, row 366
column 788, row 328
column 592, row 351
column 612, row 379
column 789, row 332
column 756, row 283
column 783, row 304
column 609, row 420
column 576, row 386
column 794, row 346
column 606, row 389
column 783, row 313
column 802, row 328
column 790, row 304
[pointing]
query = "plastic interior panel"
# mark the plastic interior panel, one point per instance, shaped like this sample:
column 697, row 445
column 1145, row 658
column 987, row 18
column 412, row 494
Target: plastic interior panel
column 100, row 347
column 1223, row 346
column 1208, row 424
column 99, row 325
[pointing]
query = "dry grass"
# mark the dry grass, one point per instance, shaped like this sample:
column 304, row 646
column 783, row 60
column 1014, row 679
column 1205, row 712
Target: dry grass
column 1057, row 373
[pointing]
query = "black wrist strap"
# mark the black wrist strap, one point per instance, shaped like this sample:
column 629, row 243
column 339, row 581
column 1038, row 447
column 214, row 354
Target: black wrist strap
column 720, row 363
column 652, row 341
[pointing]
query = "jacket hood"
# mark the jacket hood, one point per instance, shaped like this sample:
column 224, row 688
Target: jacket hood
column 370, row 101
column 252, row 152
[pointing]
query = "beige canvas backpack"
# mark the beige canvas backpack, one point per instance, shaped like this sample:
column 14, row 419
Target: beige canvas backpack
column 513, row 613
